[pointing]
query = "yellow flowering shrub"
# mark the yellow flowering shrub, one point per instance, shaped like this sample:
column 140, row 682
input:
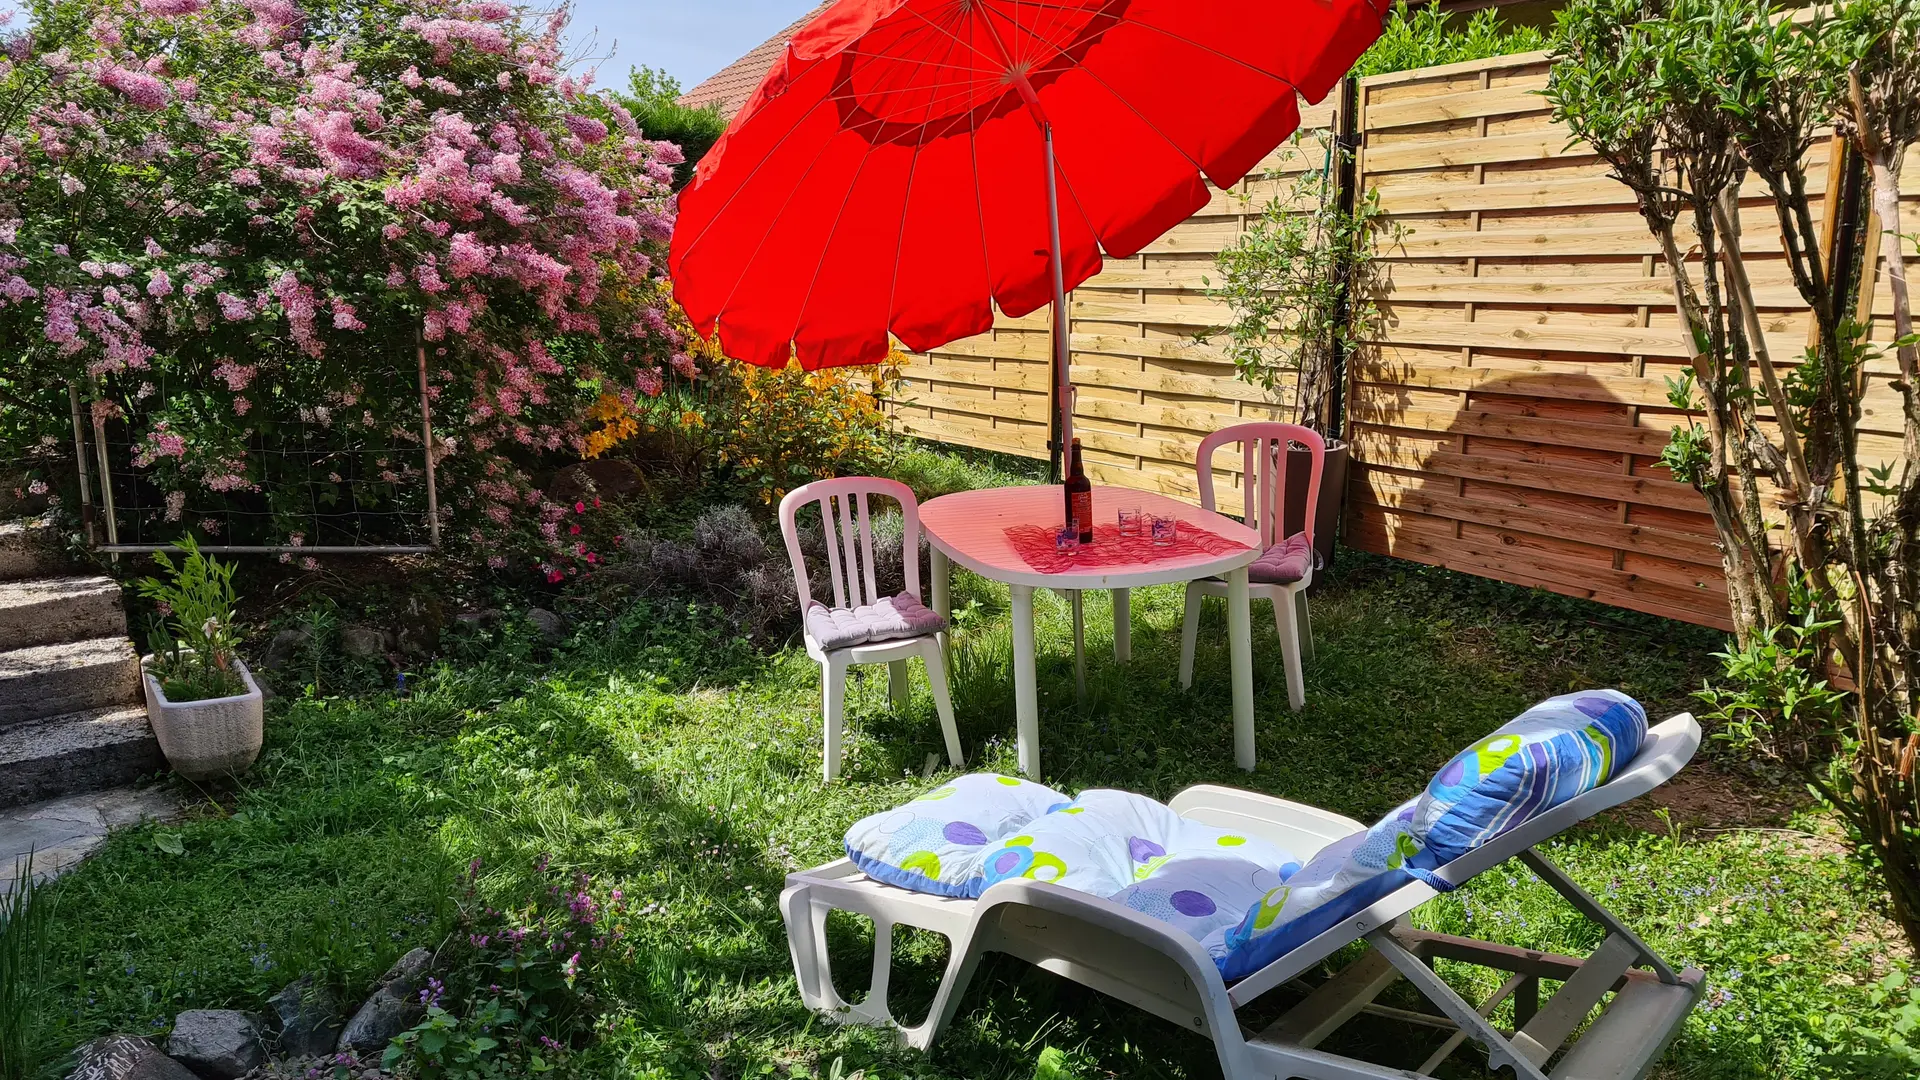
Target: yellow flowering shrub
column 768, row 430
column 793, row 426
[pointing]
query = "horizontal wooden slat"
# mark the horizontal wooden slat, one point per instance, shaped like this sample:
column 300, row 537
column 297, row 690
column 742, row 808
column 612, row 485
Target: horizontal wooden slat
column 1608, row 587
column 1224, row 387
column 1198, row 316
column 1030, row 377
column 1573, row 386
column 1628, row 239
column 1377, row 449
column 985, row 435
column 1032, row 408
column 1495, row 101
column 1654, row 292
column 1559, row 432
column 1150, row 348
column 1397, row 491
column 1529, row 146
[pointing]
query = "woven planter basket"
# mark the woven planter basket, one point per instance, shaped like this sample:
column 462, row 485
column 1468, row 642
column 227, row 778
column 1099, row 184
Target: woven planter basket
column 205, row 740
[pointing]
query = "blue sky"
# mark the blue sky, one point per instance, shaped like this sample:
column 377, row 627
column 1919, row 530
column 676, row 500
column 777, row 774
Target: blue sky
column 688, row 39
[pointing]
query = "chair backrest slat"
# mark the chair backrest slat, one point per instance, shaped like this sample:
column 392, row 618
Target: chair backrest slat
column 848, row 542
column 846, row 519
column 1264, row 449
column 866, row 545
column 828, row 525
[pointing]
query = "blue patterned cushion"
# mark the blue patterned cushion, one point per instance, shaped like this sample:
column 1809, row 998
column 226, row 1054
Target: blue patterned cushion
column 1106, row 840
column 1560, row 748
column 935, row 843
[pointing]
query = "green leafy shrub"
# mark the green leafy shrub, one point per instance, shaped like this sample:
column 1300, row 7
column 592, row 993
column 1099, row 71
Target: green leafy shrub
column 193, row 639
column 1301, row 281
column 1430, row 37
column 524, row 994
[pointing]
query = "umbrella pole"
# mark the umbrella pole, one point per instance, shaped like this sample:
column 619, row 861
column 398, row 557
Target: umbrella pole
column 1062, row 382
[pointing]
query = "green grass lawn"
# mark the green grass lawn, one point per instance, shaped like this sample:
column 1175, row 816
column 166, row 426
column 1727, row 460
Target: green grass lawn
column 662, row 755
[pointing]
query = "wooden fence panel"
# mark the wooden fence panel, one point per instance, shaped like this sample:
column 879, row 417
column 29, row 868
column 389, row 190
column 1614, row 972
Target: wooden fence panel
column 1509, row 420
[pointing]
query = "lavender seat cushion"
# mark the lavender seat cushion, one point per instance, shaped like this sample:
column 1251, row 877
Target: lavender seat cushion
column 887, row 619
column 1284, row 563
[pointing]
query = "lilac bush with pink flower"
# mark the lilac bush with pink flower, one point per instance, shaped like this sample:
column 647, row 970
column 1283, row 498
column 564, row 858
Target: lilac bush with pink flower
column 231, row 223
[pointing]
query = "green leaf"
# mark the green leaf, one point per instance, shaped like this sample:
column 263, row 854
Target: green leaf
column 1053, row 1065
column 170, row 842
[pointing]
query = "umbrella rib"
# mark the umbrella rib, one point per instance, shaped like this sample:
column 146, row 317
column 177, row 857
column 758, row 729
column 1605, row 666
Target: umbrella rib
column 906, row 203
column 936, row 27
column 792, row 193
column 918, row 63
column 964, row 90
column 979, row 204
column 765, row 160
column 1129, row 106
column 845, row 201
column 800, row 315
column 746, row 267
column 1229, row 57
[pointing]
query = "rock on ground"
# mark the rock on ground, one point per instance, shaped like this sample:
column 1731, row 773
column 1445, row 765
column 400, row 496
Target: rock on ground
column 363, row 642
column 393, row 1008
column 308, row 1018
column 284, row 649
column 218, row 1044
column 601, row 476
column 551, row 628
column 125, row 1057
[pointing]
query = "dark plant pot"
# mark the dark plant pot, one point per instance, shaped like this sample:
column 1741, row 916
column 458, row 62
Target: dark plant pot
column 1333, row 497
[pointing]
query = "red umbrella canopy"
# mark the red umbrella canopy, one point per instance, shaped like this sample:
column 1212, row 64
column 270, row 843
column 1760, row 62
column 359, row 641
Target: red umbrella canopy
column 887, row 176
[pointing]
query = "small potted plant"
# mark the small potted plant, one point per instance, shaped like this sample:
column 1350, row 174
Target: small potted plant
column 203, row 703
column 1303, row 285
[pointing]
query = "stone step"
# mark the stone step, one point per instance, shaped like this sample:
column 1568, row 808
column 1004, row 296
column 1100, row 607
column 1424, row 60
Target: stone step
column 64, row 755
column 58, row 833
column 46, row 611
column 52, row 680
column 30, row 549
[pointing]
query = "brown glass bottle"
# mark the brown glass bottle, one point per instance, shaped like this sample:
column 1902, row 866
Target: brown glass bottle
column 1080, row 496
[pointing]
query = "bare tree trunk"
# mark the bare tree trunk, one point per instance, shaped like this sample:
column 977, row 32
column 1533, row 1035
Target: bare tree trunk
column 1748, row 571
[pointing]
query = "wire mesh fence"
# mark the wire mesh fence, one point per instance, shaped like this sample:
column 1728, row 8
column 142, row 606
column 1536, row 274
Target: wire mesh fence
column 324, row 477
column 321, row 480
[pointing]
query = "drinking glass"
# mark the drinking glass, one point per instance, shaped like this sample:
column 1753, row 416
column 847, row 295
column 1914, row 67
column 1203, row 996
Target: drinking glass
column 1067, row 540
column 1129, row 521
column 1165, row 530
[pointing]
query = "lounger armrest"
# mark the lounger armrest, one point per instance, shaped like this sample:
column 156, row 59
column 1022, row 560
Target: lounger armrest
column 1098, row 911
column 1107, row 946
column 1295, row 827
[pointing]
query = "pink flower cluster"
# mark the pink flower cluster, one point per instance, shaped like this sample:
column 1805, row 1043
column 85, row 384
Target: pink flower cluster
column 430, row 174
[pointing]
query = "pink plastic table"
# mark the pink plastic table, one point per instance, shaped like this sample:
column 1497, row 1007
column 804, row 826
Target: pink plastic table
column 969, row 528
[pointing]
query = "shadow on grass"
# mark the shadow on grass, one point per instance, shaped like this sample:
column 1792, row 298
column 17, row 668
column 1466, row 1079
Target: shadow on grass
column 658, row 757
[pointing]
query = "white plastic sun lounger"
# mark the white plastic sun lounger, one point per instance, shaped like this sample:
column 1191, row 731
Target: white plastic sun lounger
column 1154, row 966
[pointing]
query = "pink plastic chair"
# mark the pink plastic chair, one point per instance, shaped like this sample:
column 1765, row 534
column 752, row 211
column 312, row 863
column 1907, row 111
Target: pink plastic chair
column 856, row 602
column 1285, row 568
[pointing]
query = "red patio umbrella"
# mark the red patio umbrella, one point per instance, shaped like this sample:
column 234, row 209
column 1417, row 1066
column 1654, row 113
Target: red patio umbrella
column 909, row 163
